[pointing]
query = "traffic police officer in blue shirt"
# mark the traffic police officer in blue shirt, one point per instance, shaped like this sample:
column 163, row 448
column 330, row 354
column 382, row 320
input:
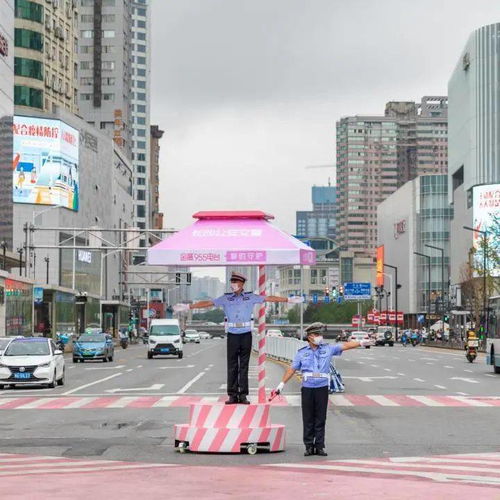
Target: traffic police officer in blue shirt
column 313, row 361
column 238, row 307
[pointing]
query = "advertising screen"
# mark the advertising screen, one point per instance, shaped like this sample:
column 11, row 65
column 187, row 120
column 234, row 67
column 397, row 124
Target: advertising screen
column 45, row 163
column 380, row 266
column 486, row 215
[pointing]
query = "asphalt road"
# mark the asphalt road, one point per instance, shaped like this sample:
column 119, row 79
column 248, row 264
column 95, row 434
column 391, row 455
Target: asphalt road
column 381, row 422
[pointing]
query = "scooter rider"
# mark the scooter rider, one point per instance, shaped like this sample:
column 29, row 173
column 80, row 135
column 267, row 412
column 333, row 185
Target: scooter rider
column 313, row 361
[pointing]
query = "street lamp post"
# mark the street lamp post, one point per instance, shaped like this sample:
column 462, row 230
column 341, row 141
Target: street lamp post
column 429, row 290
column 3, row 244
column 47, row 262
column 20, row 252
column 396, row 288
column 485, row 245
column 441, row 250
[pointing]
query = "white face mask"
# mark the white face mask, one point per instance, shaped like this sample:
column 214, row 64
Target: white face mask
column 317, row 340
column 235, row 286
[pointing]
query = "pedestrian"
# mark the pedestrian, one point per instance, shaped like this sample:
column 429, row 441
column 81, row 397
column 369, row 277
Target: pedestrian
column 313, row 361
column 238, row 308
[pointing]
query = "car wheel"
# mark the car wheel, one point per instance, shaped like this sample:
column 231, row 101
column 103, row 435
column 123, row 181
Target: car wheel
column 61, row 380
column 180, row 355
column 52, row 384
column 391, row 344
column 2, row 387
column 75, row 360
column 105, row 359
column 110, row 358
column 150, row 355
column 367, row 347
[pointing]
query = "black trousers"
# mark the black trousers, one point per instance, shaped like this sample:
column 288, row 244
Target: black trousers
column 314, row 406
column 239, row 347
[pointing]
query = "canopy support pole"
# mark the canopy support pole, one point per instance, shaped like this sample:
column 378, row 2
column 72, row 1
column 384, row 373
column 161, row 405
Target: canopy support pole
column 262, row 336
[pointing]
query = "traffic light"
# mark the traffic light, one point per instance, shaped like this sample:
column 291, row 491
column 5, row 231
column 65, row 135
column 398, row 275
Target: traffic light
column 177, row 278
column 335, row 293
column 446, row 318
column 188, row 278
column 327, row 292
column 341, row 290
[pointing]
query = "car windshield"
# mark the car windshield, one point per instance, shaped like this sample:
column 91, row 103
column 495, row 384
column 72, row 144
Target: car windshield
column 28, row 348
column 191, row 332
column 164, row 330
column 92, row 338
column 3, row 343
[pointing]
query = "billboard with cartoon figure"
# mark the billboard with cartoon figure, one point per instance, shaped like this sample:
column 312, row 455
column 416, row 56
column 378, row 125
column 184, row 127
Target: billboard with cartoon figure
column 45, row 163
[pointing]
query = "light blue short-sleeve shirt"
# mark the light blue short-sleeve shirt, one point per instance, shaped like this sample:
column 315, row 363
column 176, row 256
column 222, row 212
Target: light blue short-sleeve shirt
column 315, row 361
column 238, row 308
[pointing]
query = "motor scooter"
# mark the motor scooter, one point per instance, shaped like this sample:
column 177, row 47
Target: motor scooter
column 124, row 342
column 471, row 349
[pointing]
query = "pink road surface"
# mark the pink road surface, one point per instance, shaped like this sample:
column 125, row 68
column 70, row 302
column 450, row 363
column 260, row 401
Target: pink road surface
column 188, row 482
column 230, row 238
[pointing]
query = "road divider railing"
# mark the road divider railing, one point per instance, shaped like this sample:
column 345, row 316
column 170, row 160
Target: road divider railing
column 279, row 348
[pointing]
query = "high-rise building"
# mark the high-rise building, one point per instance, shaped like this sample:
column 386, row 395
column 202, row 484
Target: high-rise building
column 474, row 144
column 114, row 84
column 6, row 113
column 45, row 65
column 378, row 154
column 155, row 216
column 321, row 221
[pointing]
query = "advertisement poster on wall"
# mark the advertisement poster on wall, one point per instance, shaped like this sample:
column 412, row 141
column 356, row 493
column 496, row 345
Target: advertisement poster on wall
column 486, row 215
column 45, row 162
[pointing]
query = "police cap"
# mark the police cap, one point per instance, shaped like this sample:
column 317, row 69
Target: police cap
column 238, row 277
column 315, row 328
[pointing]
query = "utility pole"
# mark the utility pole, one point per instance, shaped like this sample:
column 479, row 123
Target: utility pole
column 429, row 282
column 47, row 262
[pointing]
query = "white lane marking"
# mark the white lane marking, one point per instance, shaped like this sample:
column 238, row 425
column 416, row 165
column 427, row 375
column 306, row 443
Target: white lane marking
column 489, row 375
column 154, row 387
column 429, row 363
column 462, row 393
column 183, row 389
column 361, row 362
column 139, row 366
column 418, row 380
column 223, row 387
column 426, row 401
column 130, row 370
column 387, row 369
column 91, row 383
column 174, row 367
column 440, row 386
column 429, row 359
column 468, row 380
column 383, row 401
column 447, row 366
column 468, row 371
column 401, row 374
column 87, row 469
column 104, row 367
column 71, row 367
column 371, row 379
column 374, row 366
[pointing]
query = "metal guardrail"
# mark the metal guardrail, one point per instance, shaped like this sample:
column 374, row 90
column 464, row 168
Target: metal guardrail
column 280, row 348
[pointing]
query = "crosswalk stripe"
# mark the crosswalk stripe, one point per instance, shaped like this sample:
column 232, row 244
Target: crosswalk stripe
column 36, row 403
column 340, row 400
column 383, row 401
column 426, row 401
column 469, row 401
column 84, row 401
column 122, row 402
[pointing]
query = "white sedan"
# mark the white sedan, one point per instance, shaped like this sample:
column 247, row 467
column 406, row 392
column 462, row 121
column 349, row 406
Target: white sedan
column 359, row 336
column 191, row 336
column 274, row 333
column 4, row 342
column 32, row 360
column 205, row 335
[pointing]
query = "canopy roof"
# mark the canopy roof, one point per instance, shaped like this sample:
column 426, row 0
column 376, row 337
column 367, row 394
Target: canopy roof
column 230, row 238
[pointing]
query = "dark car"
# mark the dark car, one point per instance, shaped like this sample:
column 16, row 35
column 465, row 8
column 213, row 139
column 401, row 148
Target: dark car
column 93, row 346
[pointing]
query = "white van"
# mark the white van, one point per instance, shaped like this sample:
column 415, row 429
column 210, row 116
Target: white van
column 165, row 337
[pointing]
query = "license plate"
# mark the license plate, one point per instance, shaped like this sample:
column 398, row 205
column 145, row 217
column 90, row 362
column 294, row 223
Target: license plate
column 165, row 349
column 473, row 343
column 22, row 375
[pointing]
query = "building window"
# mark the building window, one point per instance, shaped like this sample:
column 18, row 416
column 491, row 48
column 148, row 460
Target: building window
column 141, row 169
column 29, row 10
column 141, row 12
column 141, row 195
column 86, row 81
column 140, row 108
column 86, row 34
column 140, row 60
column 140, row 121
column 108, row 33
column 28, row 39
column 140, row 84
column 108, row 3
column 141, row 211
column 314, row 276
column 140, row 48
column 108, row 65
column 108, row 97
column 26, row 96
column 109, row 81
column 87, row 3
column 28, row 68
column 86, row 49
column 141, row 24
column 108, row 49
column 87, row 18
column 140, row 36
column 87, row 65
column 141, row 181
column 85, row 97
column 141, row 157
column 141, row 145
column 140, row 133
column 140, row 96
column 141, row 72
column 108, row 18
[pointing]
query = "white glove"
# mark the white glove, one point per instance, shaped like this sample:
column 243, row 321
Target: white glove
column 181, row 308
column 366, row 342
column 295, row 299
column 280, row 387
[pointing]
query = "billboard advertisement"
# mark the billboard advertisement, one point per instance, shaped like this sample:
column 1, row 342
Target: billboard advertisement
column 380, row 265
column 45, row 162
column 486, row 216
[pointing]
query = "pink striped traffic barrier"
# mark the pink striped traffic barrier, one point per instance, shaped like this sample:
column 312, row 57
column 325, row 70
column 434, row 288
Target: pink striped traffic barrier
column 221, row 428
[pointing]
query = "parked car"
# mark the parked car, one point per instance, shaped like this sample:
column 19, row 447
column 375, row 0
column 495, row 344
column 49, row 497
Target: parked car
column 360, row 335
column 4, row 342
column 274, row 333
column 32, row 360
column 191, row 336
column 205, row 335
column 94, row 347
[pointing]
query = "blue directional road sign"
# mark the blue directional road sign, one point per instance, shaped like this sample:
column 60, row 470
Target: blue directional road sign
column 327, row 299
column 315, row 298
column 357, row 291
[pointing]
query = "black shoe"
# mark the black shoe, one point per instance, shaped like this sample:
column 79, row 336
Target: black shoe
column 243, row 400
column 321, row 452
column 233, row 400
column 309, row 451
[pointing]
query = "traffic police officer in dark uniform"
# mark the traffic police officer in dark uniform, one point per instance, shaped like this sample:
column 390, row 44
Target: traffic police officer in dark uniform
column 313, row 360
column 238, row 307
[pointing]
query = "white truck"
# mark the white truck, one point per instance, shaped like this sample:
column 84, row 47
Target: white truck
column 385, row 335
column 165, row 338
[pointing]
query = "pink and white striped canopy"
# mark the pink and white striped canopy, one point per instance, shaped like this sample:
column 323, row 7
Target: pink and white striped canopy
column 231, row 238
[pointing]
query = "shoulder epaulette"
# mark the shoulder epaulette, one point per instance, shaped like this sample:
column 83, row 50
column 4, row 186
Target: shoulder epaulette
column 229, row 293
column 302, row 348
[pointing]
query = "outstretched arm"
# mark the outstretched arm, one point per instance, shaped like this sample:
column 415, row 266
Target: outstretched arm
column 273, row 298
column 202, row 304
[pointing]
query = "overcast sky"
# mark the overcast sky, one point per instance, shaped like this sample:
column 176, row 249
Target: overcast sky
column 248, row 91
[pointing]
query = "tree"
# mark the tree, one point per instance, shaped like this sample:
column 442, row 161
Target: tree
column 214, row 315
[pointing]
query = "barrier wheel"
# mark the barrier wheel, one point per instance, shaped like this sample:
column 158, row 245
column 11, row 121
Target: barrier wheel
column 252, row 448
column 182, row 447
